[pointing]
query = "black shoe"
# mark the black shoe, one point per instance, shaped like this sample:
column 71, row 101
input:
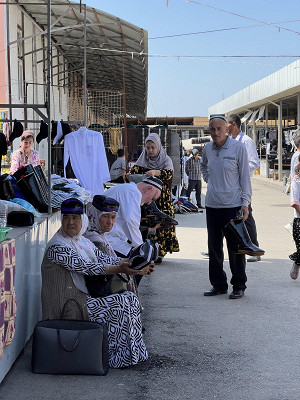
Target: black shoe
column 202, row 208
column 158, row 260
column 215, row 291
column 237, row 235
column 236, row 294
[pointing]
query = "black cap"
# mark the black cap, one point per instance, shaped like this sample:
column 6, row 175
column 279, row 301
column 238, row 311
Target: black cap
column 17, row 131
column 152, row 180
column 72, row 206
column 105, row 203
column 43, row 133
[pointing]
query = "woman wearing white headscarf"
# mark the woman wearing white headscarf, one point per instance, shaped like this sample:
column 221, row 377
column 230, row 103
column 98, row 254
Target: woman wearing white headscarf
column 154, row 161
column 102, row 216
column 70, row 257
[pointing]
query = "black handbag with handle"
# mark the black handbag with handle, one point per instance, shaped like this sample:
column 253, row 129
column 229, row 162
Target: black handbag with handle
column 105, row 285
column 70, row 347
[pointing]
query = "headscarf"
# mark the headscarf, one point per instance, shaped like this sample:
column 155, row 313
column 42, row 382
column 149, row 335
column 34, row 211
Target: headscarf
column 94, row 232
column 160, row 161
column 81, row 245
column 27, row 134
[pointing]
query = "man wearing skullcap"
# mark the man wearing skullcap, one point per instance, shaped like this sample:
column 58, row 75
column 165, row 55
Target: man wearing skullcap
column 225, row 168
column 126, row 233
column 234, row 129
column 192, row 169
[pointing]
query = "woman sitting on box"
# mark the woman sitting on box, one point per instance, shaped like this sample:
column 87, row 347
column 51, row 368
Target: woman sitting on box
column 25, row 154
column 68, row 259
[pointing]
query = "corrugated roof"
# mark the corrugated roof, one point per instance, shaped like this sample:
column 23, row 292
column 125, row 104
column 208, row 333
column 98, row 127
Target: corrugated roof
column 279, row 85
column 106, row 37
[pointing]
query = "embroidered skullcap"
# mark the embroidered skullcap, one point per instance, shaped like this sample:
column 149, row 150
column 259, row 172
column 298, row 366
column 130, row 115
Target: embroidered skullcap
column 214, row 116
column 105, row 203
column 152, row 180
column 72, row 206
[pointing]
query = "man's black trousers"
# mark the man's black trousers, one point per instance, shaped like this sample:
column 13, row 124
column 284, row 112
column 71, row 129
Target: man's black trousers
column 216, row 219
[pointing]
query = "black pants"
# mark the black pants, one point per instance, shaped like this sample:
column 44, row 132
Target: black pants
column 296, row 236
column 216, row 219
column 251, row 227
column 197, row 186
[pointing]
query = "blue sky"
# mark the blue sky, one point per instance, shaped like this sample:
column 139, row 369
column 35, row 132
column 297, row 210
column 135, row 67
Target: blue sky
column 188, row 86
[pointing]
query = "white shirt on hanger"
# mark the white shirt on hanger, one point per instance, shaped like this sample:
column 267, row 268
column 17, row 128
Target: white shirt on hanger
column 85, row 149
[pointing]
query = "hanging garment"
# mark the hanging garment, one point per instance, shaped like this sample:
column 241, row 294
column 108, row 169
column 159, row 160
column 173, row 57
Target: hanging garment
column 86, row 151
column 17, row 131
column 6, row 130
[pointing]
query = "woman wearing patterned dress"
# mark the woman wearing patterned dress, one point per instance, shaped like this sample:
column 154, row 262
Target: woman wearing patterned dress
column 25, row 155
column 70, row 257
column 154, row 161
column 102, row 216
column 295, row 203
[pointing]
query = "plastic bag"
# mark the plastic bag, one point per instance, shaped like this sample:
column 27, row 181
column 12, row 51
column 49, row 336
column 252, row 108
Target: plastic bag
column 12, row 206
column 27, row 206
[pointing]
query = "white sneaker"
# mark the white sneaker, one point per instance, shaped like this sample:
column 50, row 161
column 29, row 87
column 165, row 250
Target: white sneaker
column 295, row 271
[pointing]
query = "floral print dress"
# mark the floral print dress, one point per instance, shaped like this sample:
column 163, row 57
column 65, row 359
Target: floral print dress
column 166, row 238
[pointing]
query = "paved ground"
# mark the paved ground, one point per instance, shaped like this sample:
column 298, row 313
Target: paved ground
column 201, row 347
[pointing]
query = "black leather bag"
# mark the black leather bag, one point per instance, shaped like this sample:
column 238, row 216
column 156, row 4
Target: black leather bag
column 31, row 185
column 105, row 285
column 20, row 218
column 6, row 188
column 70, row 347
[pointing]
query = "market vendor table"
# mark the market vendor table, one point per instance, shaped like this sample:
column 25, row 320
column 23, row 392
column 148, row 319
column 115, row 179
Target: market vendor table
column 30, row 244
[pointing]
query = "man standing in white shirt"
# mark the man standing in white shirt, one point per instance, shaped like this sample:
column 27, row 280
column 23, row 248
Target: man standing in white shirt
column 125, row 233
column 234, row 129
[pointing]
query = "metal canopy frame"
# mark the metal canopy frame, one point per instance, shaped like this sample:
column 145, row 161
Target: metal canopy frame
column 113, row 55
column 111, row 51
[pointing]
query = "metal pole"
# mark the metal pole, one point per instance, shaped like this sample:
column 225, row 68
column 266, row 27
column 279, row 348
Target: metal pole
column 266, row 131
column 8, row 59
column 298, row 112
column 124, row 103
column 84, row 70
column 49, row 101
column 280, row 141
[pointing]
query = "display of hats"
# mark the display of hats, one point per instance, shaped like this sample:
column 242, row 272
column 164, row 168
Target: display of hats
column 72, row 206
column 105, row 203
column 17, row 131
column 152, row 180
column 143, row 255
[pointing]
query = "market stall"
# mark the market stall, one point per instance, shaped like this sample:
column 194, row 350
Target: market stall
column 29, row 245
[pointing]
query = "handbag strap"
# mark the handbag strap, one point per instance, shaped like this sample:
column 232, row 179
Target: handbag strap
column 64, row 308
column 123, row 279
column 76, row 342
